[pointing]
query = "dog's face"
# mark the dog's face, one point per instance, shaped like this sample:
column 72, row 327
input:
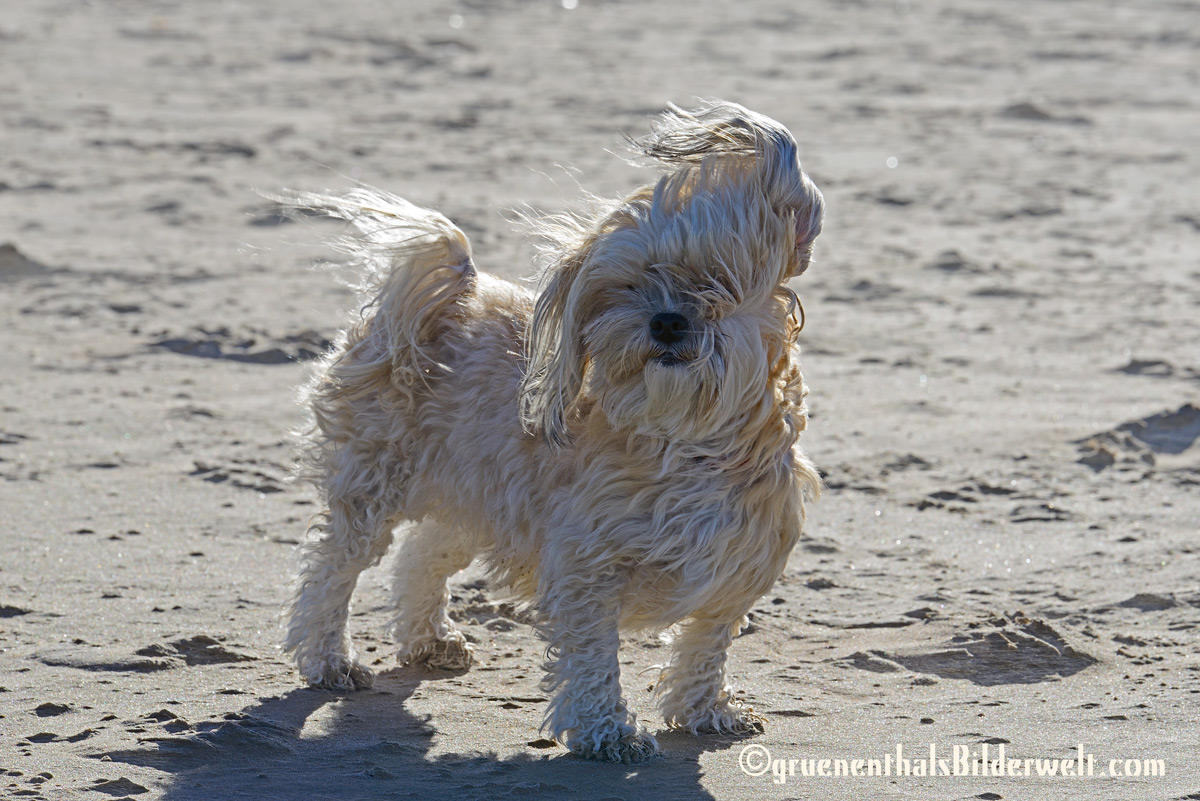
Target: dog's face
column 669, row 313
column 679, row 309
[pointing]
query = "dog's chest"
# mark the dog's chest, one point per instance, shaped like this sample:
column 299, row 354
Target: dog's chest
column 722, row 547
column 701, row 523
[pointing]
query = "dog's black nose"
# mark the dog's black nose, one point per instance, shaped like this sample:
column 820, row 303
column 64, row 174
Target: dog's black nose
column 668, row 327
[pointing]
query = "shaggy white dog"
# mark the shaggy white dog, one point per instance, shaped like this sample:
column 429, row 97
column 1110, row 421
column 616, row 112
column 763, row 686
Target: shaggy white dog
column 619, row 450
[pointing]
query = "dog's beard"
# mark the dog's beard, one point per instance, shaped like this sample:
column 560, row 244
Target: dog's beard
column 691, row 392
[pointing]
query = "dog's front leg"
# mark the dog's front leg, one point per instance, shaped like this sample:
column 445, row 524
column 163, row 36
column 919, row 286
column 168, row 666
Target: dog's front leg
column 587, row 712
column 693, row 692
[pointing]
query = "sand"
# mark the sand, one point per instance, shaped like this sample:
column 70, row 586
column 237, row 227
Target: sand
column 1001, row 342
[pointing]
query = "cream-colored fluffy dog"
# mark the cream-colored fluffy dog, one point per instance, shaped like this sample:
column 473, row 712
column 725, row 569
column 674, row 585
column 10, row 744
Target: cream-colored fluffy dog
column 620, row 450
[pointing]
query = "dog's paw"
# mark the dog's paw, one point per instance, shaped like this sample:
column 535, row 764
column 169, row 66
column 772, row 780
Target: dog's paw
column 452, row 654
column 724, row 718
column 627, row 745
column 456, row 654
column 341, row 674
column 630, row 749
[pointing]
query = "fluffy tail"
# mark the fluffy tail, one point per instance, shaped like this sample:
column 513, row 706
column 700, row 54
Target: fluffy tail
column 415, row 264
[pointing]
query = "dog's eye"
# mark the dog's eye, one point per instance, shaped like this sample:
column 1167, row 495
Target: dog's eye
column 718, row 291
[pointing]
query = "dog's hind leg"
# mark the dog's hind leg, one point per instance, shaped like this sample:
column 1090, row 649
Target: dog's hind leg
column 345, row 539
column 693, row 693
column 427, row 555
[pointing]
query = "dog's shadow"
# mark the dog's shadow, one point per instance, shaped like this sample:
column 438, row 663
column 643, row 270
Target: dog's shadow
column 314, row 744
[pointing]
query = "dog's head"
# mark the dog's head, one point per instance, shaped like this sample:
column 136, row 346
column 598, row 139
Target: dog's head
column 668, row 310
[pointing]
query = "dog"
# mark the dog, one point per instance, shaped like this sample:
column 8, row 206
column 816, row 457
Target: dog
column 619, row 449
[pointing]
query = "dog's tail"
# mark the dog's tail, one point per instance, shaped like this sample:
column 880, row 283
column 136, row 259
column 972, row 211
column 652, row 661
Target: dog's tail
column 721, row 129
column 415, row 265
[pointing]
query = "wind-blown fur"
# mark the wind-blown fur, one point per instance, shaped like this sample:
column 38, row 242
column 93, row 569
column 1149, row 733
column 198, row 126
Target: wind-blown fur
column 620, row 450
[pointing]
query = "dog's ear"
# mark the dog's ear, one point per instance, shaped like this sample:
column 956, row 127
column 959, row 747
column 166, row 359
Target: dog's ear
column 719, row 129
column 554, row 378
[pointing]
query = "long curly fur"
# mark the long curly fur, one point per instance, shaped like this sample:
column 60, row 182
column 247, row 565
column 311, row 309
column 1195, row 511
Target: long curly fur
column 613, row 473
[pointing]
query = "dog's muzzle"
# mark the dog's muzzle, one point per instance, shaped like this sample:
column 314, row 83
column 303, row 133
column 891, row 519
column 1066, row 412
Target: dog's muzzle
column 667, row 328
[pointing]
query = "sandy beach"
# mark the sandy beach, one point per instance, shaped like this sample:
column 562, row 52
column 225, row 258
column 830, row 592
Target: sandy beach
column 1002, row 328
